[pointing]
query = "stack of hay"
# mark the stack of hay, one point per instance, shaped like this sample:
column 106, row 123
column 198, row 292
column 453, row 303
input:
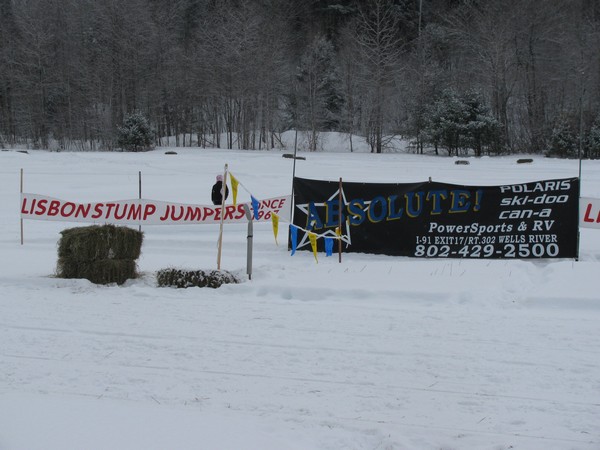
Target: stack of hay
column 102, row 254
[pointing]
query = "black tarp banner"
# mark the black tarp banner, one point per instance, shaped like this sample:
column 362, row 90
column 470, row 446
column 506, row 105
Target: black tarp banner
column 430, row 219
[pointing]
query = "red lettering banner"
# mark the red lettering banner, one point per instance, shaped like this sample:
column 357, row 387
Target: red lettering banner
column 145, row 212
column 589, row 212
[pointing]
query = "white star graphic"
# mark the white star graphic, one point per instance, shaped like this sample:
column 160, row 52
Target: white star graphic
column 345, row 236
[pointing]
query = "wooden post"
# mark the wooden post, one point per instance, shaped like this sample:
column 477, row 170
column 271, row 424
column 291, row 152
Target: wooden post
column 140, row 192
column 220, row 244
column 340, row 221
column 21, row 199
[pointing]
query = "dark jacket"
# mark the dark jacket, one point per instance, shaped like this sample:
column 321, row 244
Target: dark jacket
column 216, row 197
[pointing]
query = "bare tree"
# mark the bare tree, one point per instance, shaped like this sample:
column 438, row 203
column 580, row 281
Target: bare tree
column 379, row 49
column 9, row 37
column 486, row 37
column 319, row 99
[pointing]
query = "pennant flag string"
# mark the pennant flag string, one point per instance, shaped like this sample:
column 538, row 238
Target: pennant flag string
column 234, row 187
column 238, row 182
column 318, row 235
column 275, row 219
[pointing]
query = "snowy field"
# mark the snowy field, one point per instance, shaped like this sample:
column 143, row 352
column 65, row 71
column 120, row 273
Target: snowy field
column 375, row 353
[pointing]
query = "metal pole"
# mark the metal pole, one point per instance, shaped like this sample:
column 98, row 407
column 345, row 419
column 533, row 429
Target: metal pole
column 580, row 124
column 220, row 244
column 294, row 172
column 249, row 242
column 293, row 176
column 579, row 152
column 340, row 221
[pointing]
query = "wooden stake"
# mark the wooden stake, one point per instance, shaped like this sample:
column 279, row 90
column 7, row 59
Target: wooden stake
column 220, row 244
column 140, row 191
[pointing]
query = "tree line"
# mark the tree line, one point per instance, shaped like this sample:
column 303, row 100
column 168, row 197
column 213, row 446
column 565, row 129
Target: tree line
column 455, row 76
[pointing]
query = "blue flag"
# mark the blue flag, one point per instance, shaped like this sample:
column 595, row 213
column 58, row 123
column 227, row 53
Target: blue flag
column 328, row 246
column 294, row 236
column 255, row 207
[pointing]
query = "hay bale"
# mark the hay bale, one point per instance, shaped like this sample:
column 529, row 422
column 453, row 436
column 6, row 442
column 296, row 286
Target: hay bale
column 194, row 278
column 524, row 161
column 104, row 271
column 462, row 162
column 101, row 254
column 97, row 242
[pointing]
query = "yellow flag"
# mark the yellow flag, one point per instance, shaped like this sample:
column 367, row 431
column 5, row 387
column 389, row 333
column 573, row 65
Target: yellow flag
column 275, row 221
column 234, row 188
column 312, row 237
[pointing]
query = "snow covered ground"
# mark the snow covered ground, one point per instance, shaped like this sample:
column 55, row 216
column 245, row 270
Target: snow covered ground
column 374, row 353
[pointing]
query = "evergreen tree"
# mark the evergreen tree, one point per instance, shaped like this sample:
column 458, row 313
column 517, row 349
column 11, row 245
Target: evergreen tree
column 136, row 134
column 457, row 122
column 481, row 129
column 564, row 141
column 593, row 139
column 445, row 120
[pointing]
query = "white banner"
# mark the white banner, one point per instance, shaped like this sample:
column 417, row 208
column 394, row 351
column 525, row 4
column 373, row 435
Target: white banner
column 589, row 212
column 145, row 212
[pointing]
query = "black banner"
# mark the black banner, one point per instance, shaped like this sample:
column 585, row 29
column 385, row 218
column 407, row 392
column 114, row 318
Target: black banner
column 430, row 219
